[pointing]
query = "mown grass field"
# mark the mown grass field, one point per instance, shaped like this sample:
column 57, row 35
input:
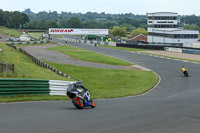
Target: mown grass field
column 24, row 66
column 89, row 56
column 110, row 83
column 11, row 32
column 57, row 36
column 36, row 35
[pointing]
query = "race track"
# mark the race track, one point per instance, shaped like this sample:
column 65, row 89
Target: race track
column 172, row 107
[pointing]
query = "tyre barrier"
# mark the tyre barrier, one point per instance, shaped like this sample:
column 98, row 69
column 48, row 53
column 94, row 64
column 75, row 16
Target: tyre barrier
column 13, row 87
column 28, row 42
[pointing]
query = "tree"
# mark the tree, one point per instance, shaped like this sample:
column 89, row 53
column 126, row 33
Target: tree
column 25, row 19
column 139, row 31
column 92, row 24
column 118, row 31
column 42, row 25
column 74, row 23
column 129, row 27
column 52, row 24
column 62, row 23
column 16, row 19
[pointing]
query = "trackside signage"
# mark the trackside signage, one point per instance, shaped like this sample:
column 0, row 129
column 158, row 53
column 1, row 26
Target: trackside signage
column 78, row 31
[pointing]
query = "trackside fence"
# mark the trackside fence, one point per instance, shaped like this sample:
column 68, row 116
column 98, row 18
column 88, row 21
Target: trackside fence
column 9, row 87
column 183, row 50
column 13, row 87
column 40, row 63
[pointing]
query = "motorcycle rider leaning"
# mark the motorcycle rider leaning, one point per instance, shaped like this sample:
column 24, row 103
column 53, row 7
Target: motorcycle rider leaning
column 183, row 69
column 85, row 93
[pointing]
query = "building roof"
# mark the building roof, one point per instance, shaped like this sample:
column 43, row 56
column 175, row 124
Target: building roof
column 135, row 36
column 162, row 14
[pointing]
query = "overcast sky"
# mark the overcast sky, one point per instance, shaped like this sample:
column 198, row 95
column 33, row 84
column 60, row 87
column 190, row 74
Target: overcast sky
column 141, row 7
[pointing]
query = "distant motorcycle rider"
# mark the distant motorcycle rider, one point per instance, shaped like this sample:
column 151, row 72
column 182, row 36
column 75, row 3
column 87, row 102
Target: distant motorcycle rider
column 184, row 69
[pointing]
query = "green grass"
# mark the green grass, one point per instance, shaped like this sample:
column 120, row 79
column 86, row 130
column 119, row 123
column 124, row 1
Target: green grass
column 11, row 32
column 36, row 35
column 110, row 83
column 24, row 66
column 89, row 56
column 22, row 98
column 57, row 36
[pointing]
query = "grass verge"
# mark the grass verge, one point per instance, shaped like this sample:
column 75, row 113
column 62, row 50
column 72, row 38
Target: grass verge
column 23, row 98
column 57, row 36
column 110, row 83
column 36, row 35
column 24, row 66
column 89, row 56
column 11, row 32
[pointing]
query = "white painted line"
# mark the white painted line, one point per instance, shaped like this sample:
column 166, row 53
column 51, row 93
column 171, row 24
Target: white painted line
column 165, row 57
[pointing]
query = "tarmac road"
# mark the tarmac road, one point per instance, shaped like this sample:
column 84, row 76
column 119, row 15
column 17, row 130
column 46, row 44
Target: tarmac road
column 172, row 107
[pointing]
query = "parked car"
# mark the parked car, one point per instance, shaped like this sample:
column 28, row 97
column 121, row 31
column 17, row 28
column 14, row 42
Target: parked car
column 10, row 39
column 25, row 37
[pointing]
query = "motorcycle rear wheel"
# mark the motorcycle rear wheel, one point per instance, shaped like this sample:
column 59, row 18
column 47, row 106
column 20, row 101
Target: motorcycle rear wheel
column 78, row 103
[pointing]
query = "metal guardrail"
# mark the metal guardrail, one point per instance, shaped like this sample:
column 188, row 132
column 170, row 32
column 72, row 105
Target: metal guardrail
column 13, row 87
column 9, row 87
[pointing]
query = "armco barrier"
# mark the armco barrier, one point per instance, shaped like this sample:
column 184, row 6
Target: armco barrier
column 23, row 86
column 58, row 87
column 10, row 87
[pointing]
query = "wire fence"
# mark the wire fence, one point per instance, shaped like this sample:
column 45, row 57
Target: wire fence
column 41, row 63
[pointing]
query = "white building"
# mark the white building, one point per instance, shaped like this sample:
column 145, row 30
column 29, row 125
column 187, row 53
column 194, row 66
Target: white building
column 163, row 28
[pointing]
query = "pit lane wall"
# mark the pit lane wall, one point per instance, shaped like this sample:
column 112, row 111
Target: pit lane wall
column 10, row 87
column 91, row 42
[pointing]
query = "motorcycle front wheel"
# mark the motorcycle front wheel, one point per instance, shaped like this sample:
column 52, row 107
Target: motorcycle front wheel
column 92, row 103
column 78, row 103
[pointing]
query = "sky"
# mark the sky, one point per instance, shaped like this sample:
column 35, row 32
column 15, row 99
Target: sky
column 182, row 7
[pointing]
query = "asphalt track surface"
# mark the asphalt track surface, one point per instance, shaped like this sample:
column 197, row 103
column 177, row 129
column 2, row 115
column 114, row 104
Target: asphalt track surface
column 172, row 107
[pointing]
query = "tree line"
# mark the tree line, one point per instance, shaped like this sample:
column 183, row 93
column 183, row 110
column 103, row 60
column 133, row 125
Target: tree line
column 127, row 22
column 45, row 20
column 13, row 19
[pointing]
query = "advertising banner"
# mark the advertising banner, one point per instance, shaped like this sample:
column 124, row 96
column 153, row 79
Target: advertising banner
column 71, row 31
